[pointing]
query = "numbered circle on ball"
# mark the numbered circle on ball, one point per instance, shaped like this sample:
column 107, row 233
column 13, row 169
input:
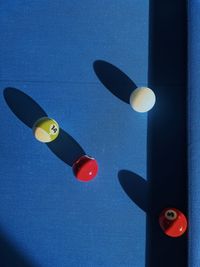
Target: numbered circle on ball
column 53, row 129
column 171, row 215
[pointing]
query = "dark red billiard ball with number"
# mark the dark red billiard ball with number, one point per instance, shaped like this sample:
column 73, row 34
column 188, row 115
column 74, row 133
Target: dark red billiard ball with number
column 173, row 222
column 85, row 168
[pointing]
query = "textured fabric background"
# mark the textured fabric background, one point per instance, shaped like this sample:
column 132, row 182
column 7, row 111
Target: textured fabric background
column 47, row 50
column 194, row 131
column 65, row 55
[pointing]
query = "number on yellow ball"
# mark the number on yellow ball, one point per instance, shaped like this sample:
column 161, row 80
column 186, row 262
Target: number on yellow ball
column 46, row 130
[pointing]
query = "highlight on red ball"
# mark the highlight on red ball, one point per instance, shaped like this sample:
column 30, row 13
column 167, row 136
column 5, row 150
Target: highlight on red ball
column 85, row 168
column 173, row 222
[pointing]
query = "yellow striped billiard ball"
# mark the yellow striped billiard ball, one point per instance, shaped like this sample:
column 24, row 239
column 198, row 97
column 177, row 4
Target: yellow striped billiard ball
column 46, row 130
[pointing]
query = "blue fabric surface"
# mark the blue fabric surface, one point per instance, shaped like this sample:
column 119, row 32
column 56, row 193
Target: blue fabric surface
column 47, row 51
column 194, row 131
column 78, row 61
column 167, row 128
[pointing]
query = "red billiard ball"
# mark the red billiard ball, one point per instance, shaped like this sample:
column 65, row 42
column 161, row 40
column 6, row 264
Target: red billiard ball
column 85, row 168
column 173, row 222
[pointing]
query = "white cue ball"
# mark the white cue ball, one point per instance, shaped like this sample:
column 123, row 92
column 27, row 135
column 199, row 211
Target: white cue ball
column 142, row 99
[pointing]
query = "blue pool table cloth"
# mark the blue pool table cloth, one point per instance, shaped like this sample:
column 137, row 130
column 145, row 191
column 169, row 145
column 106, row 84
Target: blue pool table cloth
column 77, row 62
column 194, row 130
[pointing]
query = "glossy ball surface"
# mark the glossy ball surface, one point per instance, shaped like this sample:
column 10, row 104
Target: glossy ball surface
column 85, row 168
column 173, row 222
column 142, row 99
column 46, row 130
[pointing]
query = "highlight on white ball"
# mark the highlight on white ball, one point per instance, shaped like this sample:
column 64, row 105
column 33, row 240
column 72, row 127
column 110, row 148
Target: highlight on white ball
column 142, row 99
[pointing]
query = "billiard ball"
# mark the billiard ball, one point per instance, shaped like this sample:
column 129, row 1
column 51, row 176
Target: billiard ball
column 142, row 99
column 85, row 168
column 45, row 130
column 173, row 222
